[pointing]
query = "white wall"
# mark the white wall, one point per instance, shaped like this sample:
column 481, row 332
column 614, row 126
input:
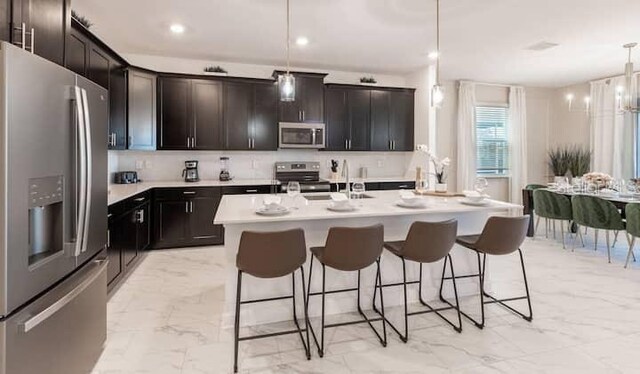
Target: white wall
column 570, row 125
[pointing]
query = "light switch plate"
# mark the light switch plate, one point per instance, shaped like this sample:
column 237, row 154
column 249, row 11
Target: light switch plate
column 139, row 164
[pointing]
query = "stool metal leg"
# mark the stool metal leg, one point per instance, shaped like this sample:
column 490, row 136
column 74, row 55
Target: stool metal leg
column 632, row 242
column 502, row 302
column 236, row 330
column 608, row 245
column 306, row 313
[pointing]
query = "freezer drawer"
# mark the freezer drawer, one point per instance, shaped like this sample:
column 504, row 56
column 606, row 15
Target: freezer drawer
column 62, row 332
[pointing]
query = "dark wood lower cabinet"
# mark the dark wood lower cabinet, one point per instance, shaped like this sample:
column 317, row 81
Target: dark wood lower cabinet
column 184, row 217
column 129, row 234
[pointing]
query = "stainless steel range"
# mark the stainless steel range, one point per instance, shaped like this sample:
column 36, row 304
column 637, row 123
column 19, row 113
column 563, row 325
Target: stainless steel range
column 306, row 173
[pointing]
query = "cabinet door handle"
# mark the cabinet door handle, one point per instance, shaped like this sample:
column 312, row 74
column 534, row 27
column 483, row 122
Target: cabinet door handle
column 108, row 238
column 349, row 144
column 186, row 207
column 251, row 191
column 33, row 40
column 115, row 140
column 190, row 206
column 139, row 199
column 303, row 116
column 346, row 144
column 403, row 186
column 140, row 216
column 188, row 142
column 23, row 35
column 188, row 192
column 249, row 140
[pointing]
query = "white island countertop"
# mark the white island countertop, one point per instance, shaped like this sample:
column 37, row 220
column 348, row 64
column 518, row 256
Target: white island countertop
column 240, row 209
column 119, row 192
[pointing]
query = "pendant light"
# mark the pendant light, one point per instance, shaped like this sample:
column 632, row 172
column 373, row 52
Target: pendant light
column 287, row 82
column 626, row 97
column 437, row 94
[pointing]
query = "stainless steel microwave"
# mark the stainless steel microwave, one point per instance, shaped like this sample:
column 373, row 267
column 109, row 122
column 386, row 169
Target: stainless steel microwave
column 301, row 135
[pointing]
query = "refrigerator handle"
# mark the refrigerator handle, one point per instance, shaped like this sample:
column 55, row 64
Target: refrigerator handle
column 82, row 195
column 33, row 322
column 89, row 170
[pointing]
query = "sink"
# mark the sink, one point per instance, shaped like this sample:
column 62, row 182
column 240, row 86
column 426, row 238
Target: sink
column 326, row 197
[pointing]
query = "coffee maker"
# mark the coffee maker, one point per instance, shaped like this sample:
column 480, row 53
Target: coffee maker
column 190, row 172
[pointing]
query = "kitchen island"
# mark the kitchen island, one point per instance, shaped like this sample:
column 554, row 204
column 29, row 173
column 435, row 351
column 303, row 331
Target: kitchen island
column 237, row 214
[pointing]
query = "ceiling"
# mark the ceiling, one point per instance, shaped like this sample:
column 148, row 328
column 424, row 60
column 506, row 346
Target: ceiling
column 483, row 40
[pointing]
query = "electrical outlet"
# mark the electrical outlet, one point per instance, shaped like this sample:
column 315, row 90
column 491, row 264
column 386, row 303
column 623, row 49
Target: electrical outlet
column 148, row 164
column 139, row 164
column 328, row 163
column 254, row 164
column 380, row 163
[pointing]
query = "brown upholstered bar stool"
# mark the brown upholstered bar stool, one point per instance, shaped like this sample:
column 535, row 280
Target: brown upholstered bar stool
column 500, row 236
column 426, row 242
column 349, row 249
column 272, row 255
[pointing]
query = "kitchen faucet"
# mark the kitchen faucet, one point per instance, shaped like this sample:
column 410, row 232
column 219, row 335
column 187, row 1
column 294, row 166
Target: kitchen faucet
column 345, row 174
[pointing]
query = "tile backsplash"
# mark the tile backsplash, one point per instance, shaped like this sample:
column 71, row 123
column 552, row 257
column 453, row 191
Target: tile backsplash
column 168, row 165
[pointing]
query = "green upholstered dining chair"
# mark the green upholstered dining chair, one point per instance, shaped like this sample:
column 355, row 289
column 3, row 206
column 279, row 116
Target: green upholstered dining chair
column 632, row 213
column 553, row 206
column 597, row 213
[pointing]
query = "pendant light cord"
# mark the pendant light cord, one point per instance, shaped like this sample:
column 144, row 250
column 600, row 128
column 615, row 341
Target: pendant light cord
column 437, row 42
column 288, row 38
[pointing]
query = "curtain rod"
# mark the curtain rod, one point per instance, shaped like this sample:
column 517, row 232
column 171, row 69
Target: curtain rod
column 490, row 84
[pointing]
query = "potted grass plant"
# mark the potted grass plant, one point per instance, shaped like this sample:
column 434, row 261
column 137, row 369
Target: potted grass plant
column 215, row 70
column 559, row 162
column 579, row 161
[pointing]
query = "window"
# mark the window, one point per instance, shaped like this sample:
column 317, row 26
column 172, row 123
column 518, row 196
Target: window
column 492, row 140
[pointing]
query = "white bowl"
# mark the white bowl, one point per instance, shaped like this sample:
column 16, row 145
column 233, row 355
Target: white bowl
column 411, row 200
column 475, row 198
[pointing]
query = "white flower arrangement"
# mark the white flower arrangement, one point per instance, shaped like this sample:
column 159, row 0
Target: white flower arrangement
column 440, row 165
column 599, row 179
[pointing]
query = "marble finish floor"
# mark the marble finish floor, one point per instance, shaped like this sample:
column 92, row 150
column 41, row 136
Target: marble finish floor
column 166, row 319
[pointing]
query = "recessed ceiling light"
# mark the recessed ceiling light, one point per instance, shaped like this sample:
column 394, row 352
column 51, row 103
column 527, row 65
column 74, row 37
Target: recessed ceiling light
column 302, row 41
column 434, row 55
column 177, row 28
column 541, row 46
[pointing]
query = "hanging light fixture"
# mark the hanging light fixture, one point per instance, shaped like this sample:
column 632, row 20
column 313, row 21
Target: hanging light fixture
column 287, row 82
column 437, row 94
column 626, row 97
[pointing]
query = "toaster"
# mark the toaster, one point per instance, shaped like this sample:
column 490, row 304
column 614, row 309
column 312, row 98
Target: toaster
column 126, row 177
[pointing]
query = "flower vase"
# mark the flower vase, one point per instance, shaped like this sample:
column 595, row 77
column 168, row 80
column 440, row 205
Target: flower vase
column 441, row 187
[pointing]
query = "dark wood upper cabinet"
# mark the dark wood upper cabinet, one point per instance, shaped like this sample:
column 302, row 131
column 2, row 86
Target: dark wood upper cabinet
column 39, row 26
column 237, row 115
column 173, row 113
column 265, row 116
column 401, row 120
column 99, row 66
column 308, row 105
column 206, row 112
column 369, row 119
column 336, row 119
column 250, row 113
column 77, row 51
column 359, row 108
column 380, row 106
column 117, row 105
column 141, row 110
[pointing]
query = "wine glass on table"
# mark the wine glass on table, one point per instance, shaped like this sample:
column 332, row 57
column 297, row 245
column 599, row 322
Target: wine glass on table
column 481, row 185
column 293, row 190
column 357, row 189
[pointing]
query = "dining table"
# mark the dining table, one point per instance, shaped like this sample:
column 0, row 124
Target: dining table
column 620, row 200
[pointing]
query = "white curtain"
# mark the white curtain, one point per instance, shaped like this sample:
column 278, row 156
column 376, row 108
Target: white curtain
column 612, row 132
column 517, row 128
column 466, row 156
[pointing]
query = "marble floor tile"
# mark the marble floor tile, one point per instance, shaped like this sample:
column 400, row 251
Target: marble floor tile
column 167, row 318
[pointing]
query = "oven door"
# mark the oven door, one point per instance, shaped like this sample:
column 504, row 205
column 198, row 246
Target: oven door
column 301, row 135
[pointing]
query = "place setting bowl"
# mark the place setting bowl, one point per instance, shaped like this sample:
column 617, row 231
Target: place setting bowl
column 272, row 207
column 474, row 198
column 340, row 203
column 411, row 201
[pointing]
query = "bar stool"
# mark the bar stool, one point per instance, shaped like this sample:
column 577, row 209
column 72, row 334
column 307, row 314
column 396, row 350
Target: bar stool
column 271, row 255
column 500, row 236
column 349, row 249
column 426, row 242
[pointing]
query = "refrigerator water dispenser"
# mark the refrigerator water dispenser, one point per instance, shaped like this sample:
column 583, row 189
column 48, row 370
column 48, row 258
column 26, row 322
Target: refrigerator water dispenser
column 45, row 218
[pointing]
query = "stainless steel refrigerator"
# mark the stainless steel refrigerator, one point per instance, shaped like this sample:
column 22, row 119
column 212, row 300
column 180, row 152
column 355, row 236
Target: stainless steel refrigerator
column 53, row 216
